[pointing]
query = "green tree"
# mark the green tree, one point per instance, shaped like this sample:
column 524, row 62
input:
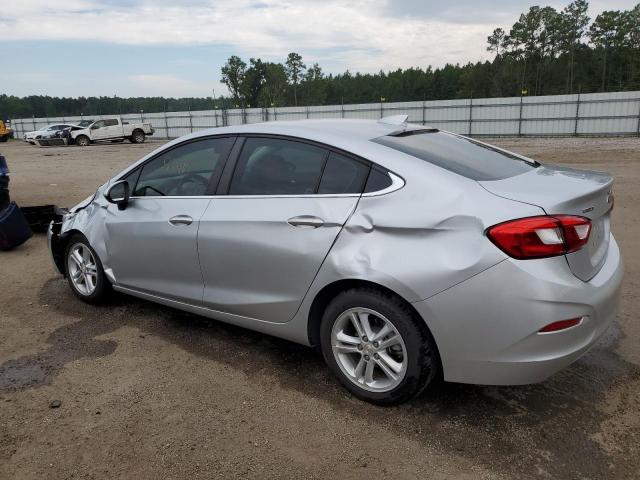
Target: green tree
column 295, row 71
column 496, row 41
column 314, row 86
column 233, row 76
column 607, row 32
column 274, row 89
column 254, row 80
column 573, row 26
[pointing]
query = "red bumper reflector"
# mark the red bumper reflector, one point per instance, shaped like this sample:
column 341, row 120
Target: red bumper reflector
column 561, row 325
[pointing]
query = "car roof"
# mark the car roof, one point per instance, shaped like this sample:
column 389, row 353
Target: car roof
column 351, row 135
column 335, row 132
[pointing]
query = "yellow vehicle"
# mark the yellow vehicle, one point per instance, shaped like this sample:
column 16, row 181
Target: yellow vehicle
column 5, row 132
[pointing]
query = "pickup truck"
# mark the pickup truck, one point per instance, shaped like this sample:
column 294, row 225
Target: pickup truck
column 111, row 129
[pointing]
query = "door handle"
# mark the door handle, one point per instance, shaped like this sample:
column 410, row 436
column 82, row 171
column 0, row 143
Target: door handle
column 306, row 221
column 181, row 220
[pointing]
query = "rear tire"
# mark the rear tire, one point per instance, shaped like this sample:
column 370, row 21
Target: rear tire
column 83, row 141
column 84, row 271
column 394, row 362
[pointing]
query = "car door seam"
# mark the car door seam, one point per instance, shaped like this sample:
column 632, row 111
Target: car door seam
column 198, row 250
column 304, row 297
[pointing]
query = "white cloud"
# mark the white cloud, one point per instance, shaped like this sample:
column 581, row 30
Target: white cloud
column 359, row 35
column 269, row 29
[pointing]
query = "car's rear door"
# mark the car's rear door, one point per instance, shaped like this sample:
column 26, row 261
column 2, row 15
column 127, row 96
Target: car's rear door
column 262, row 244
column 152, row 244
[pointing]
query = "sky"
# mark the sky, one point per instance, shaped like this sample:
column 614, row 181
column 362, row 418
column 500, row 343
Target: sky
column 175, row 48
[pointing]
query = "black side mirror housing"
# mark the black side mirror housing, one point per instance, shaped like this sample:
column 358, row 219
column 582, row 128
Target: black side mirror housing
column 119, row 194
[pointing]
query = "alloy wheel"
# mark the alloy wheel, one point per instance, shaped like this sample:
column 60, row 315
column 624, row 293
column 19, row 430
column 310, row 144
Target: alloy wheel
column 369, row 349
column 82, row 269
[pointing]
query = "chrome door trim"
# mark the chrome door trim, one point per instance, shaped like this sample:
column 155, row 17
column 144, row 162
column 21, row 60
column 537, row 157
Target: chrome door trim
column 396, row 184
column 306, row 195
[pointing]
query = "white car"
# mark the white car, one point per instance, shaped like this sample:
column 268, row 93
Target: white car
column 111, row 129
column 403, row 253
column 46, row 132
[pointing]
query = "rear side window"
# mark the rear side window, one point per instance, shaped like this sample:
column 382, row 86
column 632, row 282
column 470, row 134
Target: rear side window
column 460, row 155
column 110, row 122
column 273, row 166
column 343, row 175
column 378, row 180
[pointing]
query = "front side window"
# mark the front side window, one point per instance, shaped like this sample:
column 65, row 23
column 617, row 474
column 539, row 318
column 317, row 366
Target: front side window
column 186, row 170
column 273, row 166
column 98, row 124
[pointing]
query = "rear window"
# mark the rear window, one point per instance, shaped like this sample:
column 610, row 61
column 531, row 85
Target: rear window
column 460, row 155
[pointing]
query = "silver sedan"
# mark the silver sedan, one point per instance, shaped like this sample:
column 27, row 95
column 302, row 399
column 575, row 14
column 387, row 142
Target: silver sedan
column 403, row 253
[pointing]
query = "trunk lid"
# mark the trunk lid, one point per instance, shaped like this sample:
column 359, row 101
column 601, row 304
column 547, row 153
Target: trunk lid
column 559, row 190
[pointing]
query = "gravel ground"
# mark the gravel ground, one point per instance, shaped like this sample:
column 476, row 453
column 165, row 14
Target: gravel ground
column 149, row 392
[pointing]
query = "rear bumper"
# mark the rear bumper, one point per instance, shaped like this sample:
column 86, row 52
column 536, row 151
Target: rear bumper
column 487, row 327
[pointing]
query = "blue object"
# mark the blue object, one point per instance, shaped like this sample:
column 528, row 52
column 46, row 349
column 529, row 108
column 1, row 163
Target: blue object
column 4, row 168
column 14, row 229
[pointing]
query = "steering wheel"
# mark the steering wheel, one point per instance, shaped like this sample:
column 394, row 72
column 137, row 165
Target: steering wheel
column 191, row 178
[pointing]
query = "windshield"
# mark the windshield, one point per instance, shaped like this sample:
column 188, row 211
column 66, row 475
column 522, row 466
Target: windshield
column 461, row 155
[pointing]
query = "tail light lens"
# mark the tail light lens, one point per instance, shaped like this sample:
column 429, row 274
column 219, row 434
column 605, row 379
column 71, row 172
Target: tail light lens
column 561, row 325
column 540, row 237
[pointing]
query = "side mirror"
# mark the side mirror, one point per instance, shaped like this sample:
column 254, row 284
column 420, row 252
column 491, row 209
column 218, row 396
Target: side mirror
column 118, row 194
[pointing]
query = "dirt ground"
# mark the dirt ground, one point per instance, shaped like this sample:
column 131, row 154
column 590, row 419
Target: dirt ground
column 148, row 392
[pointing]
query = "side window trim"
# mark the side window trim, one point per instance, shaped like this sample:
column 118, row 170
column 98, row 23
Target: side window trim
column 215, row 179
column 397, row 183
column 223, row 183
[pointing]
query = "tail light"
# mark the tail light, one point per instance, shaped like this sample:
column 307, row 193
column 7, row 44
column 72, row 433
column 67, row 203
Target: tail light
column 561, row 325
column 540, row 237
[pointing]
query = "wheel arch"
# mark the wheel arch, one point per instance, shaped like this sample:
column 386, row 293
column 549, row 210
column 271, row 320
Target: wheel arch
column 59, row 248
column 331, row 290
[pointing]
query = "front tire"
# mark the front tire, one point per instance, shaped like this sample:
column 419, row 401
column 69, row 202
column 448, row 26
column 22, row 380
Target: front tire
column 84, row 271
column 138, row 137
column 83, row 141
column 376, row 347
column 4, row 138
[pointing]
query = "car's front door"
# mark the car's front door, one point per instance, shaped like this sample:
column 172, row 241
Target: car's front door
column 262, row 244
column 112, row 128
column 99, row 131
column 152, row 244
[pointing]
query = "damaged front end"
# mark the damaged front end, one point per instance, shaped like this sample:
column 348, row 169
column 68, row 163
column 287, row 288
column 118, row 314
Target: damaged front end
column 54, row 243
column 59, row 228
